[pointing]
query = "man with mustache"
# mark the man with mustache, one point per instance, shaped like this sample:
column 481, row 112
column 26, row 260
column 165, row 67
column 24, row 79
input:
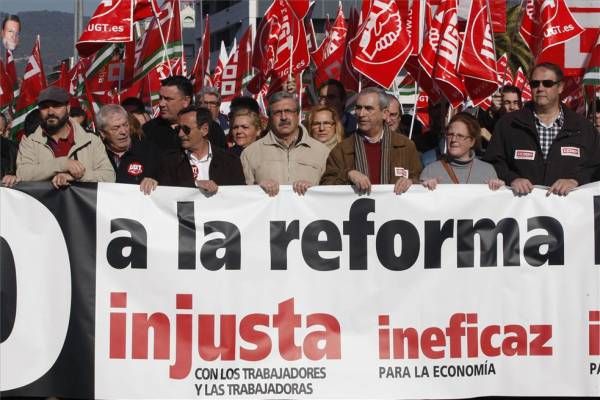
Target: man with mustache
column 287, row 155
column 373, row 155
column 60, row 150
column 198, row 163
column 544, row 143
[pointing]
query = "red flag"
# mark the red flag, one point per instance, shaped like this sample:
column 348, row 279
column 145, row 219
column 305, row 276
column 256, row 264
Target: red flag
column 547, row 23
column 78, row 75
column 333, row 53
column 445, row 75
column 478, row 58
column 592, row 72
column 202, row 62
column 11, row 72
column 413, row 26
column 221, row 63
column 34, row 81
column 311, row 37
column 112, row 22
column 422, row 109
column 505, row 76
column 64, row 78
column 143, row 9
column 238, row 68
column 281, row 39
column 350, row 76
column 423, row 70
column 6, row 90
column 151, row 50
column 382, row 44
column 522, row 84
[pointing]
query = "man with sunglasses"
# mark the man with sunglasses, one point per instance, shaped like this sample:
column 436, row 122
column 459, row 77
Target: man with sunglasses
column 287, row 155
column 544, row 143
column 176, row 93
column 198, row 163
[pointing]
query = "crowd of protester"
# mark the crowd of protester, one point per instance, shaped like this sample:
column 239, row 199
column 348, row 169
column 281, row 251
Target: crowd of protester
column 194, row 144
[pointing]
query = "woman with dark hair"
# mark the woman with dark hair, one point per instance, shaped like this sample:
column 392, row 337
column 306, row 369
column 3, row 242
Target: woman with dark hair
column 325, row 125
column 459, row 164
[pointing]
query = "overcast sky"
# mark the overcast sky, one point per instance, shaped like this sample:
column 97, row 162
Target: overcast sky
column 15, row 6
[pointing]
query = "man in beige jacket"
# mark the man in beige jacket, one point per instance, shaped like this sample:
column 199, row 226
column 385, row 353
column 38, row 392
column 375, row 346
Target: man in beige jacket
column 287, row 155
column 60, row 150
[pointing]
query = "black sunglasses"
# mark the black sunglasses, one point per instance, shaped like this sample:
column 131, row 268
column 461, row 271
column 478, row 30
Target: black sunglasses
column 186, row 129
column 547, row 83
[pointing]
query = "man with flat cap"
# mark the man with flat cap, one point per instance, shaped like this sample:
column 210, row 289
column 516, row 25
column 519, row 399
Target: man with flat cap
column 60, row 150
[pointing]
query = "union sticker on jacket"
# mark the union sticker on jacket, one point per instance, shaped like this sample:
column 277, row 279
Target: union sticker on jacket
column 524, row 155
column 399, row 171
column 570, row 151
column 135, row 169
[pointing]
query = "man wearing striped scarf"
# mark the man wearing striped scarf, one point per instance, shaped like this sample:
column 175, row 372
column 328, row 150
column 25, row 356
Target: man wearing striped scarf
column 374, row 154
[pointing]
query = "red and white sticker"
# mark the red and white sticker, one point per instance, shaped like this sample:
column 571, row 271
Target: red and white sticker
column 399, row 171
column 135, row 169
column 524, row 155
column 570, row 151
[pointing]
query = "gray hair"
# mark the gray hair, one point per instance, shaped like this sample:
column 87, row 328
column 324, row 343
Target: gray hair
column 384, row 100
column 210, row 90
column 107, row 111
column 279, row 96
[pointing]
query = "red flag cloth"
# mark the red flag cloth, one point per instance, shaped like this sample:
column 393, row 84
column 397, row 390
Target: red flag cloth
column 311, row 37
column 505, row 76
column 64, row 78
column 333, row 54
column 444, row 74
column 34, row 81
column 522, row 84
column 238, row 68
column 422, row 109
column 112, row 22
column 350, row 76
column 6, row 90
column 592, row 72
column 202, row 62
column 381, row 46
column 11, row 71
column 143, row 9
column 413, row 26
column 281, row 39
column 152, row 50
column 477, row 57
column 221, row 63
column 318, row 55
column 547, row 23
column 422, row 69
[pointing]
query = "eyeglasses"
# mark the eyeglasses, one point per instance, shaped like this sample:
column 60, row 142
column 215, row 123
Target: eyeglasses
column 321, row 124
column 210, row 103
column 186, row 129
column 460, row 138
column 279, row 113
column 547, row 83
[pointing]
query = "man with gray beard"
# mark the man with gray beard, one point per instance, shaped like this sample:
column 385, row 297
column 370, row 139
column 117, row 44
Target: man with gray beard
column 59, row 150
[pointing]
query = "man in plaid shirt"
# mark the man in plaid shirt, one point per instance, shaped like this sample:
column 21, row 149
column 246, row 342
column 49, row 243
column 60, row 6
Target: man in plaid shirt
column 545, row 143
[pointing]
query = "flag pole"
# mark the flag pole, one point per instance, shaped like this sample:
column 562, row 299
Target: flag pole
column 412, row 121
column 164, row 42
